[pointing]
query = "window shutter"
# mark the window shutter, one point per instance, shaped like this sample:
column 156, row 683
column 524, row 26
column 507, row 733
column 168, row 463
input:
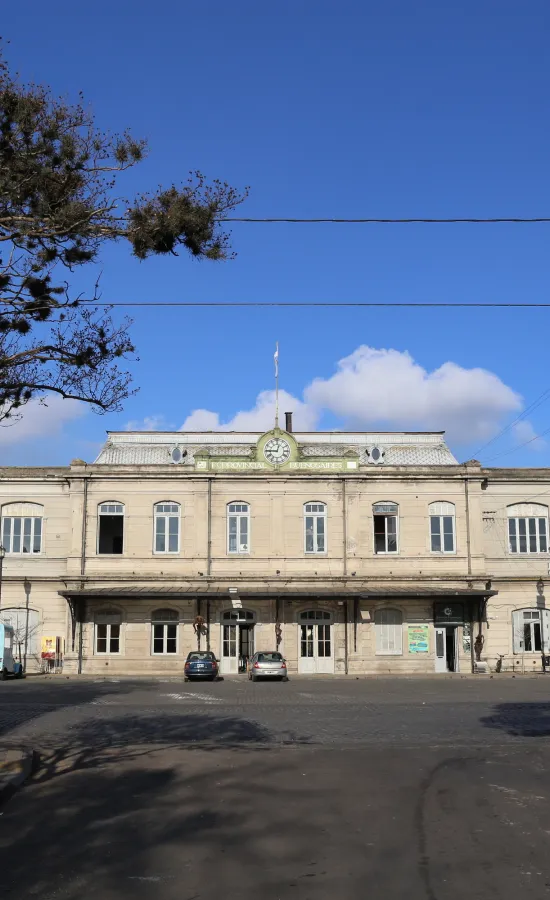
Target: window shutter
column 545, row 622
column 517, row 628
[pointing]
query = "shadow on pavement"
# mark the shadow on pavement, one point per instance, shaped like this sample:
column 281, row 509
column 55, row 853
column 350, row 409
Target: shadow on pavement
column 520, row 719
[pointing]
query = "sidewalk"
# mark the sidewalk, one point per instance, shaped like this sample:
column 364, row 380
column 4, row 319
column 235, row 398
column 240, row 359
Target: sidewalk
column 16, row 765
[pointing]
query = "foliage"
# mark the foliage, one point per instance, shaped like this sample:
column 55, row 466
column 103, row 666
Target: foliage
column 58, row 208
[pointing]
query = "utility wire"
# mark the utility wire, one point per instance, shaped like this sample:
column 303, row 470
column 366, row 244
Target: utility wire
column 454, row 221
column 313, row 304
column 534, row 405
column 518, row 446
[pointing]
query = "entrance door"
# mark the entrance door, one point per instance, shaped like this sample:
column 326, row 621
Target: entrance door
column 315, row 655
column 440, row 650
column 237, row 640
column 446, row 649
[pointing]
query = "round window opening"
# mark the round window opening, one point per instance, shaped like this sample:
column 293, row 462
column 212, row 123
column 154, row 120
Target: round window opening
column 375, row 453
column 176, row 455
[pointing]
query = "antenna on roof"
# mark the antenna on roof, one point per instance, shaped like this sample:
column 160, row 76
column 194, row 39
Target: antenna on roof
column 276, row 360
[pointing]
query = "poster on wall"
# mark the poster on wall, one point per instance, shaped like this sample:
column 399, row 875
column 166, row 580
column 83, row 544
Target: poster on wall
column 418, row 638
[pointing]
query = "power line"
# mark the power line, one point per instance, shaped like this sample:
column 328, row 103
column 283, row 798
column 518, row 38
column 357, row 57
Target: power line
column 518, row 446
column 411, row 221
column 534, row 405
column 314, row 304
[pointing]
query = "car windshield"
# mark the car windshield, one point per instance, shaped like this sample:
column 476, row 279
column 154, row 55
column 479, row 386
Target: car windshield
column 269, row 657
column 198, row 655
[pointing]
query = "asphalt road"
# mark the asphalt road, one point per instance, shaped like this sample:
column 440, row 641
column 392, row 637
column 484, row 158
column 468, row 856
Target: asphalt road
column 316, row 789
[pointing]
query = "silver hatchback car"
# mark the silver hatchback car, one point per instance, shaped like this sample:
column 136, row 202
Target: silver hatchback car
column 267, row 664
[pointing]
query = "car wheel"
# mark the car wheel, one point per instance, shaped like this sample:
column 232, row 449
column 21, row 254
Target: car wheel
column 4, row 674
column 253, row 678
column 186, row 680
column 285, row 677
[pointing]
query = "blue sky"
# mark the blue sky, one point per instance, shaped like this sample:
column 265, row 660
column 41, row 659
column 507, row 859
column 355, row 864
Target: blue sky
column 341, row 109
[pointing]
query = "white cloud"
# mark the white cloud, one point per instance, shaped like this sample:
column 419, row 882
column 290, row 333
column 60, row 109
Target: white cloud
column 156, row 422
column 40, row 419
column 260, row 418
column 524, row 432
column 387, row 388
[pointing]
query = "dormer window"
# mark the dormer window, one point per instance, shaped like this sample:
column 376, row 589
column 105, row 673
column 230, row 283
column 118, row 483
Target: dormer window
column 376, row 455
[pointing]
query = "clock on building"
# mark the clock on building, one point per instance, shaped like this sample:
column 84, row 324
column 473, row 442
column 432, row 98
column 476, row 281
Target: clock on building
column 277, row 451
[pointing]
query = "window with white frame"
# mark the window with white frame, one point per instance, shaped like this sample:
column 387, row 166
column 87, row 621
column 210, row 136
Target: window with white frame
column 167, row 527
column 531, row 630
column 528, row 528
column 22, row 529
column 315, row 527
column 164, row 631
column 107, row 632
column 385, row 516
column 238, row 528
column 442, row 527
column 110, row 528
column 388, row 625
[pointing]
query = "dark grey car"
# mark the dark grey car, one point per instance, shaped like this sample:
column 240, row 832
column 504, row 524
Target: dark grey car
column 267, row 664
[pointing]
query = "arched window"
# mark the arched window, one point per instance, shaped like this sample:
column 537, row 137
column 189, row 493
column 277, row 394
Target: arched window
column 388, row 624
column 238, row 615
column 107, row 631
column 22, row 527
column 110, row 527
column 167, row 527
column 385, row 517
column 528, row 528
column 238, row 527
column 164, row 631
column 315, row 527
column 442, row 527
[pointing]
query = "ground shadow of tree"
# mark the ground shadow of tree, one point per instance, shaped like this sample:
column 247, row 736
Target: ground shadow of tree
column 520, row 719
column 23, row 702
column 135, row 801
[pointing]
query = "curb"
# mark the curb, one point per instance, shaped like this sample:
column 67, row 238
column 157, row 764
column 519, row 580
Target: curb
column 19, row 765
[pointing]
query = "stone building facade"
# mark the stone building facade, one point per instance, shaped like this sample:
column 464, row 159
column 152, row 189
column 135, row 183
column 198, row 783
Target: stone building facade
column 349, row 552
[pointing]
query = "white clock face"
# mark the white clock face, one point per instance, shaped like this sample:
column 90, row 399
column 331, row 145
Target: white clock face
column 277, row 451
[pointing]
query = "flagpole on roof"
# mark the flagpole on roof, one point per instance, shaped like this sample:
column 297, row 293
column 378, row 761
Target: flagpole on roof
column 276, row 360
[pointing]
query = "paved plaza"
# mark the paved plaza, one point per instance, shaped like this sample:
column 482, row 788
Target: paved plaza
column 319, row 788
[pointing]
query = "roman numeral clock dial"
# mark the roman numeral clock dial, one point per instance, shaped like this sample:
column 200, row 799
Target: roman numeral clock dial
column 277, row 451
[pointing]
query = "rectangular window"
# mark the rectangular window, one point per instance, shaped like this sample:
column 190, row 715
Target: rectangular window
column 22, row 534
column 107, row 637
column 229, row 641
column 165, row 637
column 306, row 642
column 527, row 535
column 385, row 534
column 110, row 528
column 442, row 534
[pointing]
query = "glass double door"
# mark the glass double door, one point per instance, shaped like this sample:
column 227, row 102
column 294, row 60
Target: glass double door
column 315, row 651
column 237, row 647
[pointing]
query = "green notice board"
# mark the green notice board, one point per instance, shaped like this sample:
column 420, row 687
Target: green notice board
column 418, row 638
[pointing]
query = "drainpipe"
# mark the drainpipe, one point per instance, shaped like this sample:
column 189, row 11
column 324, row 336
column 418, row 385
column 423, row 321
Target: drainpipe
column 346, row 636
column 344, row 529
column 84, row 525
column 468, row 547
column 198, row 625
column 209, row 530
column 208, row 623
column 82, row 616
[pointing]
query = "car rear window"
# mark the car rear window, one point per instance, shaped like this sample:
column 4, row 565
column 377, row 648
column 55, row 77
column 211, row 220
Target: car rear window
column 199, row 655
column 269, row 657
